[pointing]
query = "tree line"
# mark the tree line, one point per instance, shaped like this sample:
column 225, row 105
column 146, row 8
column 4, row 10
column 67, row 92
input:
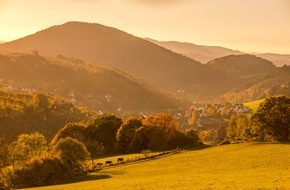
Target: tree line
column 31, row 161
column 32, row 157
column 271, row 122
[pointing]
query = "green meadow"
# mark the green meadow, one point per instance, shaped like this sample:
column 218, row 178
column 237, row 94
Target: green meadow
column 254, row 105
column 235, row 166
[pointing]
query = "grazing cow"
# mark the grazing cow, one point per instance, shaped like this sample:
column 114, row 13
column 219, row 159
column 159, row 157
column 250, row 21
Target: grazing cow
column 98, row 165
column 108, row 162
column 120, row 160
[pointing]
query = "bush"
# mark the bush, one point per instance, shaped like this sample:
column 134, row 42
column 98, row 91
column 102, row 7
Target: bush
column 71, row 151
column 42, row 171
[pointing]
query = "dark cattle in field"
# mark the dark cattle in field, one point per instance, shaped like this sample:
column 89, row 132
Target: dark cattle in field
column 108, row 162
column 120, row 160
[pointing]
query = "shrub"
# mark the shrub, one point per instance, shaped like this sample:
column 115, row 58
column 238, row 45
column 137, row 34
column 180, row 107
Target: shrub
column 41, row 171
column 71, row 151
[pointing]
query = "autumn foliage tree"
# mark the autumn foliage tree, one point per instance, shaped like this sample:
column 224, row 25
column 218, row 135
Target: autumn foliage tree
column 272, row 120
column 26, row 147
column 126, row 133
column 238, row 128
column 71, row 151
column 104, row 130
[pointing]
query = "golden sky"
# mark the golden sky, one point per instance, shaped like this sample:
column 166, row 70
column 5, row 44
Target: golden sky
column 246, row 25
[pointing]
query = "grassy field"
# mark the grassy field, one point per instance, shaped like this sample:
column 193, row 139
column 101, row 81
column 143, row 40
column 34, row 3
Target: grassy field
column 254, row 105
column 236, row 166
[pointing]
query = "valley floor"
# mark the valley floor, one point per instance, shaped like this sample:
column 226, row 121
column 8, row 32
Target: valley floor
column 236, row 166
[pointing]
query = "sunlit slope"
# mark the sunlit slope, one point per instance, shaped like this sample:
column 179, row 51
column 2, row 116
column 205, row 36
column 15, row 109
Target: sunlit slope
column 112, row 48
column 97, row 88
column 254, row 105
column 148, row 62
column 238, row 166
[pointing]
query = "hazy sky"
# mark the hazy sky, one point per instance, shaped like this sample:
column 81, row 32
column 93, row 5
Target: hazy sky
column 246, row 25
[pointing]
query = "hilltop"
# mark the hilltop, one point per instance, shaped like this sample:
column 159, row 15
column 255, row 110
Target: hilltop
column 242, row 65
column 112, row 48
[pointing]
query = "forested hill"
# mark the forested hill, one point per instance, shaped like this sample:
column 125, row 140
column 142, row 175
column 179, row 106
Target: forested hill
column 113, row 48
column 242, row 65
column 29, row 112
column 97, row 88
column 205, row 54
column 274, row 83
column 154, row 65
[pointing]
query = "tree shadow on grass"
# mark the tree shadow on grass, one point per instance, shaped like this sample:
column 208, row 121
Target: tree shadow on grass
column 200, row 147
column 89, row 177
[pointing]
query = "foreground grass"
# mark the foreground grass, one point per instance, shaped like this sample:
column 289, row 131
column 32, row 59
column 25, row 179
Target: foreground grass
column 254, row 105
column 237, row 166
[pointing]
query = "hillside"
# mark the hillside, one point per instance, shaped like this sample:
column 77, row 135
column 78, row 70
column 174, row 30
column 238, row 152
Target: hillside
column 237, row 166
column 112, row 48
column 95, row 87
column 254, row 105
column 274, row 83
column 242, row 65
column 29, row 112
column 234, row 72
column 150, row 64
column 205, row 54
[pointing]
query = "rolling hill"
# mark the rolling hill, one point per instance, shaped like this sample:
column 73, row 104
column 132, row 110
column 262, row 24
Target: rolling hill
column 251, row 78
column 112, row 48
column 205, row 54
column 244, row 64
column 97, row 88
column 236, row 166
column 145, row 61
column 274, row 83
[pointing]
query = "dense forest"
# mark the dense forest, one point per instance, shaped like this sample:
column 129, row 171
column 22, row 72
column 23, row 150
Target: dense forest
column 98, row 88
column 29, row 112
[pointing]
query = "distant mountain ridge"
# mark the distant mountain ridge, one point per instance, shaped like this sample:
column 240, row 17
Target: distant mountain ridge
column 200, row 53
column 157, row 67
column 205, row 54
